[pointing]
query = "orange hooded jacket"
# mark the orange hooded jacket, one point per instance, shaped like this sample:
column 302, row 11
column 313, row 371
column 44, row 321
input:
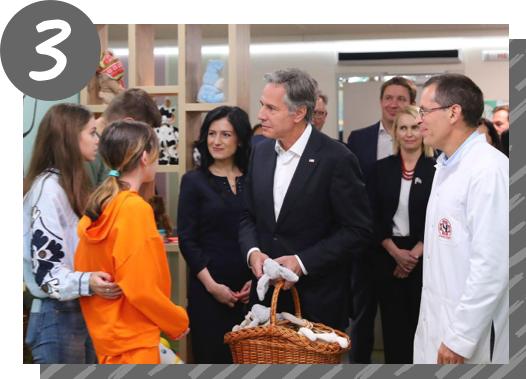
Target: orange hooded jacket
column 125, row 243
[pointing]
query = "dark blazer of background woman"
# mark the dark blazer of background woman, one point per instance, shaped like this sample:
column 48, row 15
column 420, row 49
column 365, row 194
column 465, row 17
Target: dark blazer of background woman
column 387, row 181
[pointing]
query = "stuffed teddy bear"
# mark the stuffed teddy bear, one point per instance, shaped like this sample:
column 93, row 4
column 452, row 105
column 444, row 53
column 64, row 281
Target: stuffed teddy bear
column 211, row 90
column 168, row 356
column 110, row 73
column 273, row 270
column 168, row 136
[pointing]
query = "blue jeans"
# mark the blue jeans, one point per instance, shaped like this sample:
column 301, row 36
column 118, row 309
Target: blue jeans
column 57, row 333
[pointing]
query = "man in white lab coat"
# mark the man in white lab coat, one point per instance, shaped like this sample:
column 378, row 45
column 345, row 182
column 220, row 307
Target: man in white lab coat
column 465, row 299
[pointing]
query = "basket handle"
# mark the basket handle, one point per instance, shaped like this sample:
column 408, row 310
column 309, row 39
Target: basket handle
column 274, row 303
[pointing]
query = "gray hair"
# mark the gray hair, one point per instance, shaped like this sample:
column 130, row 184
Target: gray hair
column 323, row 97
column 300, row 89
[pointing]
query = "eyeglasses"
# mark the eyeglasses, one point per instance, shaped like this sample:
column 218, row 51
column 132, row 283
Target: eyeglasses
column 318, row 114
column 423, row 112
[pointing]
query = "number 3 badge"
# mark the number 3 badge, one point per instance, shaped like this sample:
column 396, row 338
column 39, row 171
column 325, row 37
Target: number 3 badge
column 50, row 50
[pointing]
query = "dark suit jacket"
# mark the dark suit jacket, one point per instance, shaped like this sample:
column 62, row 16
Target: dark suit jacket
column 325, row 219
column 387, row 181
column 505, row 139
column 257, row 139
column 364, row 144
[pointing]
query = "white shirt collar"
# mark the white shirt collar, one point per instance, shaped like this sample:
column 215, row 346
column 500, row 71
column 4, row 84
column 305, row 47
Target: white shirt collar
column 382, row 129
column 299, row 146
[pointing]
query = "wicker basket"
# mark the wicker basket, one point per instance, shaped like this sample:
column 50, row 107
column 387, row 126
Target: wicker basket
column 279, row 343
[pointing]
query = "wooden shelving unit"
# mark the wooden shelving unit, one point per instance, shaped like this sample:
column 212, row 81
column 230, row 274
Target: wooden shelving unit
column 141, row 74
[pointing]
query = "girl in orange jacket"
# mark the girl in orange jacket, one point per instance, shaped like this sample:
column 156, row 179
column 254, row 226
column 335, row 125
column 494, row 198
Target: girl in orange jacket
column 118, row 236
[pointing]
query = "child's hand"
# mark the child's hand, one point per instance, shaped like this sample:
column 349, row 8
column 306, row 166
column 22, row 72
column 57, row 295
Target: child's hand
column 104, row 286
column 183, row 334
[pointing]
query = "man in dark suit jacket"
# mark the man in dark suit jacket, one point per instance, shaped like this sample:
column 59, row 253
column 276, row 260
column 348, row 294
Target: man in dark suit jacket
column 306, row 204
column 505, row 139
column 370, row 144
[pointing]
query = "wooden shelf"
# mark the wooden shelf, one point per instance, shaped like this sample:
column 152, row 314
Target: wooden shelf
column 203, row 107
column 161, row 90
column 172, row 247
column 141, row 74
column 96, row 108
column 168, row 168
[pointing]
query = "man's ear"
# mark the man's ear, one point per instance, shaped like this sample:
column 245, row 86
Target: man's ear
column 455, row 114
column 413, row 103
column 299, row 114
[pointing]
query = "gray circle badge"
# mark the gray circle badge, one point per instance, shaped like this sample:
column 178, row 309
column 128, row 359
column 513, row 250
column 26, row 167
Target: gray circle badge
column 50, row 50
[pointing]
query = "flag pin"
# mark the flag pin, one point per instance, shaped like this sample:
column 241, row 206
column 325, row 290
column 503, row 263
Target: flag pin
column 311, row 160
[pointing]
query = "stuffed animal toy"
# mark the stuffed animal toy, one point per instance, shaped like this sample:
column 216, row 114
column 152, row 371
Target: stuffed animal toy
column 259, row 315
column 273, row 270
column 110, row 73
column 324, row 337
column 212, row 89
column 168, row 136
column 197, row 157
column 168, row 356
column 162, row 220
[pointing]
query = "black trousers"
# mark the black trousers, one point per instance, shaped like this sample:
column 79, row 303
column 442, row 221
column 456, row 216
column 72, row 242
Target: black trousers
column 364, row 304
column 399, row 301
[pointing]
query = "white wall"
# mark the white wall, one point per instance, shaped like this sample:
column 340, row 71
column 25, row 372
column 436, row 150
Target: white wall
column 320, row 66
column 492, row 77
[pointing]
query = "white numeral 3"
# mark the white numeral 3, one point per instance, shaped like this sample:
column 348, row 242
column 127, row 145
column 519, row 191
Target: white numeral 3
column 46, row 48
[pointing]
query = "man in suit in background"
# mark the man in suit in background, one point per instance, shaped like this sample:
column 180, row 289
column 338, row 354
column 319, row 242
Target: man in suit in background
column 320, row 112
column 306, row 203
column 501, row 118
column 369, row 145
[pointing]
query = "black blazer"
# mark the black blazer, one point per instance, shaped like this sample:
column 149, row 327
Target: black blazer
column 505, row 139
column 364, row 144
column 387, row 181
column 325, row 219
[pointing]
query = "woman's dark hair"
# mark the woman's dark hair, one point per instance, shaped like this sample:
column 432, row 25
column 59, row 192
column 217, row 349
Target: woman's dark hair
column 494, row 135
column 238, row 118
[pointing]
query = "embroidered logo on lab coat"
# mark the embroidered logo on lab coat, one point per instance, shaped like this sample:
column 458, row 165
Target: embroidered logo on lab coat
column 444, row 229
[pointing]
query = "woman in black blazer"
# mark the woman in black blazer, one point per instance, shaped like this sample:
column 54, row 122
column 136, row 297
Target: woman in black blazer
column 211, row 202
column 401, row 184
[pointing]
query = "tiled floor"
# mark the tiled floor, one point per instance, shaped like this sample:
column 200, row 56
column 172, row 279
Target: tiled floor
column 377, row 356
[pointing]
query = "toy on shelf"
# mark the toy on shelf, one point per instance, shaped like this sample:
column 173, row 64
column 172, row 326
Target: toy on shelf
column 162, row 220
column 110, row 74
column 212, row 89
column 168, row 135
column 168, row 355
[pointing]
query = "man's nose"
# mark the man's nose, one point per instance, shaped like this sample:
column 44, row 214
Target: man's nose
column 261, row 114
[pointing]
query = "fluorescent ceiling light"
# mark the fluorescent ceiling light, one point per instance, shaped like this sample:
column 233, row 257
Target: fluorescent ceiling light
column 358, row 46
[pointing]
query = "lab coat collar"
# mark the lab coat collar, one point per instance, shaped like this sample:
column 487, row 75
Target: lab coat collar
column 476, row 138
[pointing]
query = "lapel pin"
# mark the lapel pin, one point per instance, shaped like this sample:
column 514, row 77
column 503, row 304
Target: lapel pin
column 418, row 181
column 311, row 160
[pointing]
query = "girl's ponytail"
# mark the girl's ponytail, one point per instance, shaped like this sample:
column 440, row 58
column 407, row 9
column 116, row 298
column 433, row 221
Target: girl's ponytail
column 121, row 148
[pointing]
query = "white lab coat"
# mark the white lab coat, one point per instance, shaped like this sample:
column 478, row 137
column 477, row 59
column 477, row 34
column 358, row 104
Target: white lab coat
column 466, row 258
